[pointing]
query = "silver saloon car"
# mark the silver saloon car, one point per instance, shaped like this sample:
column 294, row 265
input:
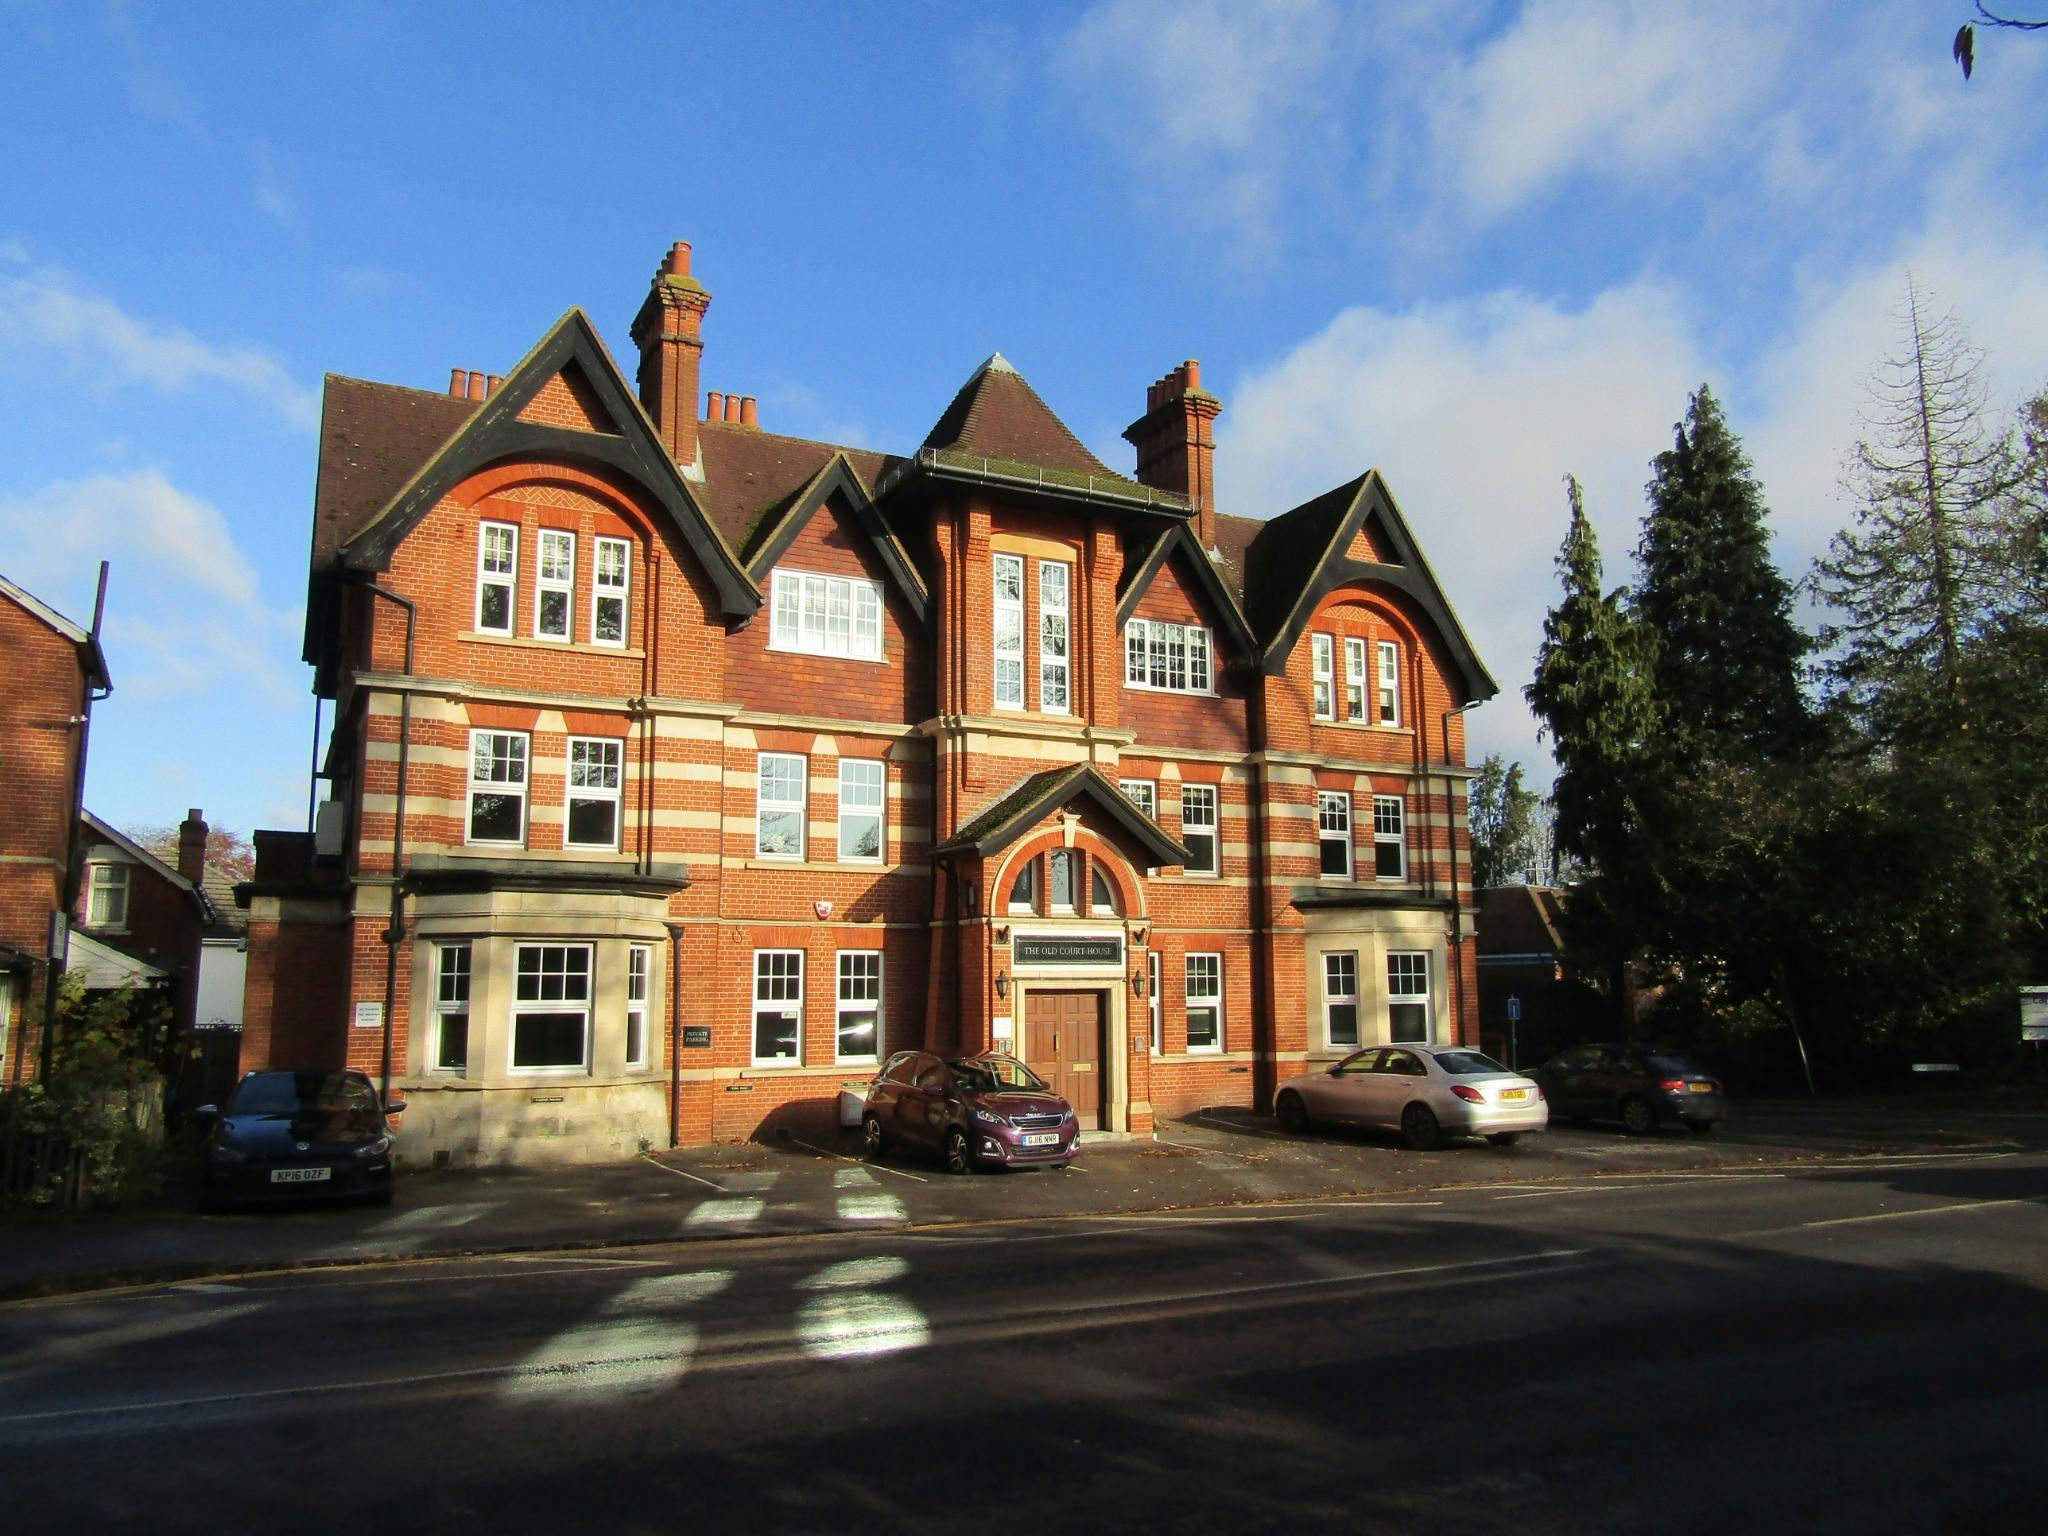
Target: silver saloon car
column 1426, row 1092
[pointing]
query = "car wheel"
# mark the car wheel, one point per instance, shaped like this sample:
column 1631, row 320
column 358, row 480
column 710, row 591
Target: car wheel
column 1505, row 1138
column 873, row 1144
column 1638, row 1116
column 959, row 1152
column 1700, row 1127
column 1419, row 1128
column 1290, row 1112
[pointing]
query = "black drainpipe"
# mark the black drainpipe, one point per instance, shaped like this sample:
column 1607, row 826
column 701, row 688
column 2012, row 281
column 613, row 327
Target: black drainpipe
column 395, row 930
column 675, row 1034
column 53, row 968
column 1451, row 843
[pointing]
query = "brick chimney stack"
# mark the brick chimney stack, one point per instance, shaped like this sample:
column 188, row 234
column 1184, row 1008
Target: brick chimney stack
column 1176, row 443
column 192, row 846
column 669, row 333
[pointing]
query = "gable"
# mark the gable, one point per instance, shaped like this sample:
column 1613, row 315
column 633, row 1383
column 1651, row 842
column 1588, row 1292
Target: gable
column 567, row 400
column 1025, row 807
column 1171, row 578
column 841, row 499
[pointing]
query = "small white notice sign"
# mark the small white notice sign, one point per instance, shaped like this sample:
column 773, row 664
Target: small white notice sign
column 369, row 1015
column 1001, row 1029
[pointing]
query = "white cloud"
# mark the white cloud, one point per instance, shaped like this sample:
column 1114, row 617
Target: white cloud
column 14, row 253
column 275, row 188
column 1616, row 88
column 46, row 311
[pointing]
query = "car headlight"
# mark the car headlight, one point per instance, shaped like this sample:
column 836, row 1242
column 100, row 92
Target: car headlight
column 987, row 1116
column 221, row 1152
column 375, row 1148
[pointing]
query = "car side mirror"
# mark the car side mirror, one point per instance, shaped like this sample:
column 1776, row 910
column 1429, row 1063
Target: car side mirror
column 206, row 1112
column 395, row 1107
column 1339, row 1067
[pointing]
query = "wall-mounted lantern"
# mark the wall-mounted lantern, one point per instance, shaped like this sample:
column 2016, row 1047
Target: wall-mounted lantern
column 1002, row 984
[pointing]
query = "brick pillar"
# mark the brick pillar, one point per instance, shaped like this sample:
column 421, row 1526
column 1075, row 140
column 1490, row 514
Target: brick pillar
column 669, row 333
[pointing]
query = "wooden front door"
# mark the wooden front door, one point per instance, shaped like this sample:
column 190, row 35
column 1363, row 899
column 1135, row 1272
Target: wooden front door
column 1063, row 1044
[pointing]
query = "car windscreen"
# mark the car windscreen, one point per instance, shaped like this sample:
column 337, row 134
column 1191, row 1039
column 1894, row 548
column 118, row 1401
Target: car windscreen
column 1467, row 1063
column 993, row 1076
column 288, row 1093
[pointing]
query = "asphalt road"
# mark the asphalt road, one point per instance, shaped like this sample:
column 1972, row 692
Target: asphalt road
column 1805, row 1350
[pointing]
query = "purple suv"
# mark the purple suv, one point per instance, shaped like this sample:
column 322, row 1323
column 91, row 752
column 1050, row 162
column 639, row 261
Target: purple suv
column 977, row 1109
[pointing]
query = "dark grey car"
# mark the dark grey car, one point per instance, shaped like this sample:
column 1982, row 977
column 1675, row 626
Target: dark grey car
column 1642, row 1086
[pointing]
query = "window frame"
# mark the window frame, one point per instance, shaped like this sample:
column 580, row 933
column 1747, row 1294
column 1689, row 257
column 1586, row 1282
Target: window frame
column 1028, row 875
column 999, row 607
column 842, row 1006
column 1070, row 860
column 1354, row 679
column 879, row 813
column 639, row 1009
column 1408, row 999
column 453, row 970
column 615, row 795
column 1394, row 836
column 101, row 884
column 1333, row 999
column 1063, row 612
column 602, row 591
column 1322, row 676
column 1327, row 835
column 1150, row 648
column 525, row 1007
column 519, row 789
column 1150, row 804
column 801, row 806
column 789, row 608
column 1214, row 869
column 545, row 585
column 1190, row 1001
column 1153, row 973
column 754, row 1031
column 487, row 576
column 1388, row 654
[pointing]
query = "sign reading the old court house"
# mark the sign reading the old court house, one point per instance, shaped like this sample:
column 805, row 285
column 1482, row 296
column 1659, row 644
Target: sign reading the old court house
column 1094, row 949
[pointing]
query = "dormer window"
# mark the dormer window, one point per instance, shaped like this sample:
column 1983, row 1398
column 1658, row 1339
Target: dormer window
column 1174, row 658
column 825, row 615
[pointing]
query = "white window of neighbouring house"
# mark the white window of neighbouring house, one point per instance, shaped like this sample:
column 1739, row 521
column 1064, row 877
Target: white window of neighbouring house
column 1155, row 1003
column 861, row 790
column 1408, row 997
column 1389, row 838
column 497, row 572
column 825, row 615
column 554, row 581
column 1171, row 657
column 859, row 1034
column 1198, row 828
column 1390, row 683
column 1354, row 679
column 1055, row 636
column 639, row 974
column 1143, row 793
column 497, row 787
column 1009, row 606
column 551, row 1008
column 1340, row 998
column 611, row 578
column 1322, row 674
column 1333, row 829
column 778, row 1007
column 593, row 811
column 1024, row 890
column 107, row 906
column 1060, row 881
column 779, row 806
column 451, row 1009
column 1205, row 1002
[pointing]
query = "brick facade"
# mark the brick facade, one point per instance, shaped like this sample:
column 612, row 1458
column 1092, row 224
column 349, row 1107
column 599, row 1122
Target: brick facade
column 812, row 641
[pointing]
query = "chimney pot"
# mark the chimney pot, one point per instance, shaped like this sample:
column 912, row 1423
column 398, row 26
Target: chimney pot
column 476, row 386
column 491, row 384
column 714, row 405
column 750, row 415
column 679, row 259
column 1191, row 375
column 732, row 408
column 458, row 381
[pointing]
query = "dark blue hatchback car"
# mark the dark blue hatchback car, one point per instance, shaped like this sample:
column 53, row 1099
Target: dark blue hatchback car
column 296, row 1136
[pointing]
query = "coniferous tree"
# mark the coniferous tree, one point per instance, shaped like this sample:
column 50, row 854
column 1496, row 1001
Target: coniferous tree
column 1727, row 652
column 1503, row 817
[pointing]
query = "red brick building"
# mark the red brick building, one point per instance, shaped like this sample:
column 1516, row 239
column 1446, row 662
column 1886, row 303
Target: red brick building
column 681, row 771
column 54, row 671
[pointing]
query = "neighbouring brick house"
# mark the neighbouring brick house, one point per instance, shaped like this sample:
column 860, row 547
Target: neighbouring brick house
column 681, row 771
column 54, row 672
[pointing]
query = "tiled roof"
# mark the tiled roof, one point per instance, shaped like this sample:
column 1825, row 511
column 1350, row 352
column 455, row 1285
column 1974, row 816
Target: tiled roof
column 1284, row 553
column 997, row 415
column 749, row 473
column 1042, row 793
column 228, row 919
column 1521, row 920
column 373, row 439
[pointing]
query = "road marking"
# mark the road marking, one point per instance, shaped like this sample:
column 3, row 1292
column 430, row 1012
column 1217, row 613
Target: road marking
column 1851, row 1221
column 1207, row 1151
column 877, row 1167
column 653, row 1162
column 1240, row 1127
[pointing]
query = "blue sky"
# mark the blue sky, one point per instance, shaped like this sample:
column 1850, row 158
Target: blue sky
column 1475, row 249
